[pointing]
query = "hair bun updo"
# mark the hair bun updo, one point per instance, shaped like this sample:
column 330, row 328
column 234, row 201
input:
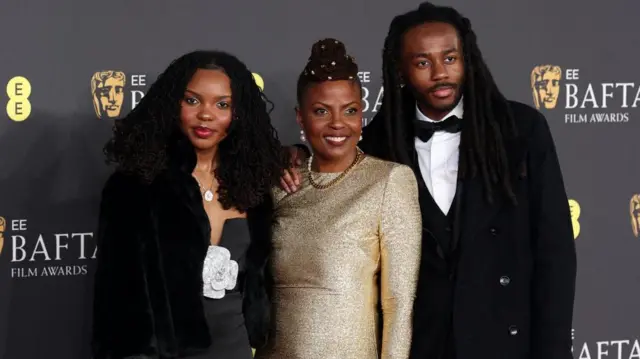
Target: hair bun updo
column 329, row 61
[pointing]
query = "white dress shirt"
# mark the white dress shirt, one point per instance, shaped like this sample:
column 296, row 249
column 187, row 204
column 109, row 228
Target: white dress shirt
column 438, row 161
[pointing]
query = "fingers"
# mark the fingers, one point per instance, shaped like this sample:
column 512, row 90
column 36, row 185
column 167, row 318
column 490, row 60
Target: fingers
column 290, row 180
column 284, row 186
column 297, row 178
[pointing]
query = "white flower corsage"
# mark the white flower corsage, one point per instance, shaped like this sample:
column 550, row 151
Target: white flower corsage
column 220, row 273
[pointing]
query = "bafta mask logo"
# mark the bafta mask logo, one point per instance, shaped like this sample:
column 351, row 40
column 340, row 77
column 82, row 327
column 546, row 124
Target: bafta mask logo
column 545, row 84
column 3, row 225
column 107, row 88
column 634, row 211
column 574, row 208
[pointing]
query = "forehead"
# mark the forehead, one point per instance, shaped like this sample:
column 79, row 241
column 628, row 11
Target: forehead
column 214, row 81
column 341, row 91
column 430, row 37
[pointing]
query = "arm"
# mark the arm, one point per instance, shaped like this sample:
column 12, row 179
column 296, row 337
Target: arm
column 554, row 251
column 122, row 316
column 400, row 248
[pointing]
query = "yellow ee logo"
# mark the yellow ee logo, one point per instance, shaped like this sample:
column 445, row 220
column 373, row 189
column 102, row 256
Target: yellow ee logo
column 18, row 107
column 259, row 80
column 574, row 208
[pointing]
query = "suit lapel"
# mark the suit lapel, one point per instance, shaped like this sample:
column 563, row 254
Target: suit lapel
column 474, row 210
column 457, row 207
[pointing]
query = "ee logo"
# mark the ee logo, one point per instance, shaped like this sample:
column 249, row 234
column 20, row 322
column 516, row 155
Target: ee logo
column 574, row 208
column 259, row 81
column 18, row 107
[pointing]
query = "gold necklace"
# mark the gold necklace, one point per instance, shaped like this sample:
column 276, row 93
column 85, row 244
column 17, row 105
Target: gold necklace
column 359, row 157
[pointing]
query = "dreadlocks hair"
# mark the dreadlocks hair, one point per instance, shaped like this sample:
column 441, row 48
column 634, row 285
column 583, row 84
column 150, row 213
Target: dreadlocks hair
column 251, row 158
column 488, row 120
column 328, row 61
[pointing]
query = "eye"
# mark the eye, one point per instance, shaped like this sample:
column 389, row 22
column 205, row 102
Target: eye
column 320, row 111
column 191, row 100
column 450, row 59
column 223, row 105
column 352, row 111
column 424, row 63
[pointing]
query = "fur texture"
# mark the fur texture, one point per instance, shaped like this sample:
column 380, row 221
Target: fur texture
column 152, row 241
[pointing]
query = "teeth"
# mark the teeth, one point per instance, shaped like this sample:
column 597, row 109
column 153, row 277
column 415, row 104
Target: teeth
column 336, row 139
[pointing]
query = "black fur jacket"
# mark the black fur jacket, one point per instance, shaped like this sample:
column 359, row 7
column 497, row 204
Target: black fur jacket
column 152, row 240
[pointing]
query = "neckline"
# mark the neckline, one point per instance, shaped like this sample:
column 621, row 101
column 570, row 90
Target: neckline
column 232, row 219
column 364, row 158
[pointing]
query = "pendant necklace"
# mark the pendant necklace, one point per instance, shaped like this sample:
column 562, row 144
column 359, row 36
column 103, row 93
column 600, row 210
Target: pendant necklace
column 208, row 194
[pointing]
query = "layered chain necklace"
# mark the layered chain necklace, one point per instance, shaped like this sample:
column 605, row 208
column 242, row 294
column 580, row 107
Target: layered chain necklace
column 208, row 193
column 359, row 157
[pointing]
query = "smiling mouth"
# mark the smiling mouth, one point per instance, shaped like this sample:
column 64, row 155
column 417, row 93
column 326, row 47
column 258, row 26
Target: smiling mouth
column 336, row 140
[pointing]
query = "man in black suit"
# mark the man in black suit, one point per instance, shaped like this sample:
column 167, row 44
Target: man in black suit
column 498, row 262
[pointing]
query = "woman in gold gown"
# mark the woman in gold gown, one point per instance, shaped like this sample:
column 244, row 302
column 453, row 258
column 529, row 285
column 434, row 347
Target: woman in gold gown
column 346, row 244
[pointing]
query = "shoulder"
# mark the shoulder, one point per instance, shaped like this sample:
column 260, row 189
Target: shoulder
column 392, row 172
column 119, row 181
column 277, row 194
column 529, row 121
column 122, row 189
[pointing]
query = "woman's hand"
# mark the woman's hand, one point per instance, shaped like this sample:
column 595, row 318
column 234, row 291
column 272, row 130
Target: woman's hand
column 290, row 180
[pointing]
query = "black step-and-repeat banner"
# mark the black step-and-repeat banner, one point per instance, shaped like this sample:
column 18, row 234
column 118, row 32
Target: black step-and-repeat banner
column 71, row 68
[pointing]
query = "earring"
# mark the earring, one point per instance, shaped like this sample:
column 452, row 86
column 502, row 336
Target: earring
column 302, row 137
column 360, row 138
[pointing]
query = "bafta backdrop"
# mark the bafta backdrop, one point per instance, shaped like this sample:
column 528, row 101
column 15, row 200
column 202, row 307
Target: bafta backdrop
column 72, row 68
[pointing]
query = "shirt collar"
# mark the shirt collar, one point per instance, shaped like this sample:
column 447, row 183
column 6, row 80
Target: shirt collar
column 457, row 111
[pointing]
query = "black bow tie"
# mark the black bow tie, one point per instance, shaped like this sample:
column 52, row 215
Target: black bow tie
column 424, row 130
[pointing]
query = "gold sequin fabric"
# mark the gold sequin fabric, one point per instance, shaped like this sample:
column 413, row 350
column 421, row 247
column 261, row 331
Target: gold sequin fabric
column 340, row 253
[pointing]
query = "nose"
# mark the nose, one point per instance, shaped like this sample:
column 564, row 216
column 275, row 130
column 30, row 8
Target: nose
column 205, row 113
column 337, row 122
column 439, row 71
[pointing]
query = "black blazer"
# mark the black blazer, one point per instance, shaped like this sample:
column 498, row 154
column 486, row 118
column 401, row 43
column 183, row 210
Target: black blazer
column 512, row 292
column 152, row 241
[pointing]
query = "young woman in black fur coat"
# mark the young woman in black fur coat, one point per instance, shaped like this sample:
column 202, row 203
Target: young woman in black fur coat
column 184, row 223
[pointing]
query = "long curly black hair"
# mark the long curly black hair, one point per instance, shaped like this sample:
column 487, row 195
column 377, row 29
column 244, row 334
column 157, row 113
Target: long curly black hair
column 251, row 157
column 488, row 121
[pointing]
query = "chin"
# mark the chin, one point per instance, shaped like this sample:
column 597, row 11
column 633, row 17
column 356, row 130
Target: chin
column 332, row 153
column 202, row 145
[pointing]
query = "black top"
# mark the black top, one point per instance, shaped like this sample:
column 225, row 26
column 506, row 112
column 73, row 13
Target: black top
column 224, row 316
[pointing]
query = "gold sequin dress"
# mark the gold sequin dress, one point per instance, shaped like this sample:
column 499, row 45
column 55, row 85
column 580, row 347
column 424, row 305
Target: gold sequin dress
column 339, row 253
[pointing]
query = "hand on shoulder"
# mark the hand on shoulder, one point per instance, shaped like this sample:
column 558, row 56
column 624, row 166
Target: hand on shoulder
column 291, row 178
